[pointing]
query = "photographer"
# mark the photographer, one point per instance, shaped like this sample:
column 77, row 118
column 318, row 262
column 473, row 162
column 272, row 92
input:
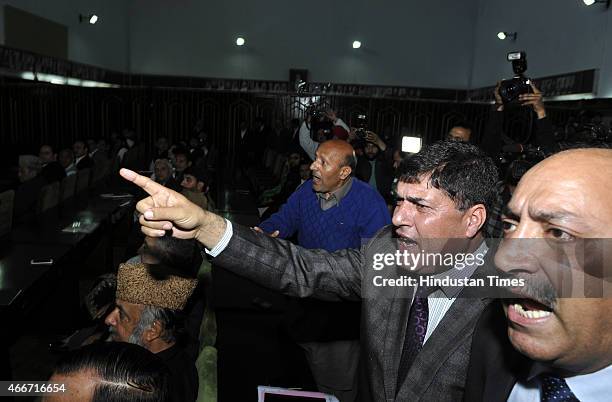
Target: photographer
column 316, row 122
column 375, row 166
column 495, row 141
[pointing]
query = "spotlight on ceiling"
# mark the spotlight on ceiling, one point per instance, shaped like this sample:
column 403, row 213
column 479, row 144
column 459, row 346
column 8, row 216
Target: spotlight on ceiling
column 91, row 18
column 591, row 2
column 240, row 41
column 506, row 35
column 356, row 44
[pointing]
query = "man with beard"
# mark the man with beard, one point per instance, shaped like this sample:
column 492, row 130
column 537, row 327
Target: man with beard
column 375, row 166
column 415, row 343
column 148, row 312
column 553, row 340
column 194, row 186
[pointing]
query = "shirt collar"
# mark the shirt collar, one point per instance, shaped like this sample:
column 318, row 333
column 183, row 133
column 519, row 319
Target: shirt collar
column 338, row 194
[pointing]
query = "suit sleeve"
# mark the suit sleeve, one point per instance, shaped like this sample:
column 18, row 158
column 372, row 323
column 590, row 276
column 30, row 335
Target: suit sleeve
column 286, row 220
column 280, row 265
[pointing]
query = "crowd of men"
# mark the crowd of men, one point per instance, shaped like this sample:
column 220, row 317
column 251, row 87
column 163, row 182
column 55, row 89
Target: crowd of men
column 547, row 337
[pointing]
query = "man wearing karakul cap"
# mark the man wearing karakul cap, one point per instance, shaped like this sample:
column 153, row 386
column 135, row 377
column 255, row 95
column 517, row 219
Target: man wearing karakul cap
column 148, row 313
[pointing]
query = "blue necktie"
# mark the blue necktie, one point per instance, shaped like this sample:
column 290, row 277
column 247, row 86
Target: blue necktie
column 555, row 389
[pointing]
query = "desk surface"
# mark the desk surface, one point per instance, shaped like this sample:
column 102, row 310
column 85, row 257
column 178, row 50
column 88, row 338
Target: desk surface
column 16, row 272
column 53, row 226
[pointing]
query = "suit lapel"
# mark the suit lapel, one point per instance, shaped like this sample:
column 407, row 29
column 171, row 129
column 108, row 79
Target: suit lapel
column 447, row 336
column 397, row 319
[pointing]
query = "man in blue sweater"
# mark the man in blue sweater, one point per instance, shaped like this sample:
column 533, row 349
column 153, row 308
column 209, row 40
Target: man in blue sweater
column 333, row 211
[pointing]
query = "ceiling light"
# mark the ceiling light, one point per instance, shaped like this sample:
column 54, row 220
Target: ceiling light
column 506, row 35
column 90, row 18
column 356, row 44
column 591, row 2
column 240, row 41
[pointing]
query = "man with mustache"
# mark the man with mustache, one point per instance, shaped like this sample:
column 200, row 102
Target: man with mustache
column 553, row 341
column 415, row 342
column 148, row 312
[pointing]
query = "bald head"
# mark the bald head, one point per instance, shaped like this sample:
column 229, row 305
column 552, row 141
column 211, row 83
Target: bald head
column 556, row 238
column 577, row 162
column 335, row 162
column 574, row 182
column 341, row 150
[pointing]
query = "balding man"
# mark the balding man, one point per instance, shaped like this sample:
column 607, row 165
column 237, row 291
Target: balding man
column 553, row 342
column 332, row 211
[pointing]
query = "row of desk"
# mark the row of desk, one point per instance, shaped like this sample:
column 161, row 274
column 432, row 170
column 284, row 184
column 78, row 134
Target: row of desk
column 66, row 234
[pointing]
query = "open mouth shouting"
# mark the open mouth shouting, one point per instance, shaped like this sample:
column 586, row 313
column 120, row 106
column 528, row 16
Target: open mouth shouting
column 527, row 312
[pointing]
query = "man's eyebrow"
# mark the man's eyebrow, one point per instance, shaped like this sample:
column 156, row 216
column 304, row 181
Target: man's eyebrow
column 508, row 213
column 546, row 216
column 413, row 200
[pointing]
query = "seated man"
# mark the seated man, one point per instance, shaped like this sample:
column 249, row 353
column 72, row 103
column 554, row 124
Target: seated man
column 28, row 193
column 194, row 186
column 81, row 153
column 148, row 312
column 66, row 159
column 162, row 174
column 109, row 372
column 51, row 169
column 553, row 342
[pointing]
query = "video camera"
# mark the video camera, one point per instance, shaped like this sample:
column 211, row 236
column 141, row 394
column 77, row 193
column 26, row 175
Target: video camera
column 510, row 89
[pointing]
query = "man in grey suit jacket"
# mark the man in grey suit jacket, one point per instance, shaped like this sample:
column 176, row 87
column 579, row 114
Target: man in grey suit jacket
column 443, row 193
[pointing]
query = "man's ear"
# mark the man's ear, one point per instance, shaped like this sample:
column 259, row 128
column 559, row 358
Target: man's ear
column 345, row 171
column 153, row 332
column 475, row 218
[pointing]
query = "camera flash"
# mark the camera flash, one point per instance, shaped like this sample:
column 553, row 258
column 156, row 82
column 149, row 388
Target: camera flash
column 411, row 144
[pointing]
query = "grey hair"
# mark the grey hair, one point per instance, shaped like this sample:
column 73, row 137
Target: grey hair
column 30, row 162
column 150, row 314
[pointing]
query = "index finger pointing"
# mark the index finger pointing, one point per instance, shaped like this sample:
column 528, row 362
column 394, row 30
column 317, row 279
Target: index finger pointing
column 143, row 182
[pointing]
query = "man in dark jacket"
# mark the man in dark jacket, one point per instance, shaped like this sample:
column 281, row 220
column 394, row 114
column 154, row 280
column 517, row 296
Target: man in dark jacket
column 51, row 169
column 410, row 351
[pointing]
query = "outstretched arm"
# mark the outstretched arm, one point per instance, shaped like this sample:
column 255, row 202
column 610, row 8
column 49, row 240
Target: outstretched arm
column 274, row 263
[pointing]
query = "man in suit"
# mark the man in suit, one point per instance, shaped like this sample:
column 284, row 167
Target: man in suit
column 553, row 341
column 408, row 354
column 52, row 171
column 81, row 154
